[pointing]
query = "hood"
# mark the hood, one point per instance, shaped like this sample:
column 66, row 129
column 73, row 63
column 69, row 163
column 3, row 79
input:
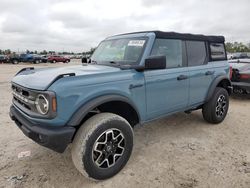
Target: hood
column 42, row 78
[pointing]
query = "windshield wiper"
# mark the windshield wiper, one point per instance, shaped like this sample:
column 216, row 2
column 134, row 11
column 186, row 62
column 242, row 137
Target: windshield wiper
column 93, row 61
column 109, row 62
column 139, row 68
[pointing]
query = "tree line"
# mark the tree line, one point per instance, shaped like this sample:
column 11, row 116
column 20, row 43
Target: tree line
column 45, row 52
column 233, row 47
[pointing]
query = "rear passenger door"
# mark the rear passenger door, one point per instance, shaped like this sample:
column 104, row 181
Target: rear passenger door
column 200, row 71
column 167, row 89
column 59, row 58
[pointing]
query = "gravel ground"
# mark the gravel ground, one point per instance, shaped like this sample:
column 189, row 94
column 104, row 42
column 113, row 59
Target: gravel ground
column 180, row 151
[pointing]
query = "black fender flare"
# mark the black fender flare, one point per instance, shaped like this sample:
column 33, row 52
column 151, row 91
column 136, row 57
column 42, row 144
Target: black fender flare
column 81, row 112
column 216, row 81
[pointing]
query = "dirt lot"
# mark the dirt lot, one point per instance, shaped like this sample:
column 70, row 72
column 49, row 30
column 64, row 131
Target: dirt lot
column 179, row 151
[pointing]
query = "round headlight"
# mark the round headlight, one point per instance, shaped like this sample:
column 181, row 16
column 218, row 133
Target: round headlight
column 42, row 104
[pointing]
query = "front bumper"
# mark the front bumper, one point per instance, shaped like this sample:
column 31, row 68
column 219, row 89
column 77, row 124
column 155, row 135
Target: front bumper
column 241, row 85
column 56, row 138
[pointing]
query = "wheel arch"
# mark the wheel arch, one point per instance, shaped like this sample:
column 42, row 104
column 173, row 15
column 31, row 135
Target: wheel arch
column 221, row 81
column 116, row 104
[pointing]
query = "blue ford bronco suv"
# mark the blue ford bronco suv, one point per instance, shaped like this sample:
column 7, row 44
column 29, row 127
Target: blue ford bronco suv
column 130, row 79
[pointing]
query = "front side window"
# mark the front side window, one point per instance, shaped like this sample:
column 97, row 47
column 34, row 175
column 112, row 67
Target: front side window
column 122, row 51
column 170, row 48
column 218, row 51
column 196, row 53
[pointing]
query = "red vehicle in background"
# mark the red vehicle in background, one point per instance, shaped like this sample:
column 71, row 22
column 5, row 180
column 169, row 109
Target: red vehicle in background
column 58, row 58
column 240, row 76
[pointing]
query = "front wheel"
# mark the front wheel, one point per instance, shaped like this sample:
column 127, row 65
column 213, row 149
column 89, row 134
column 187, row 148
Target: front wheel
column 102, row 146
column 215, row 110
column 36, row 61
column 15, row 61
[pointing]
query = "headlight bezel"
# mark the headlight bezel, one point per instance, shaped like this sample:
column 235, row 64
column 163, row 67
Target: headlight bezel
column 49, row 97
column 38, row 104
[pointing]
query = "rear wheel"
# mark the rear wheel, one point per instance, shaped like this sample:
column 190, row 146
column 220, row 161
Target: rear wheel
column 54, row 61
column 215, row 110
column 37, row 61
column 15, row 61
column 102, row 146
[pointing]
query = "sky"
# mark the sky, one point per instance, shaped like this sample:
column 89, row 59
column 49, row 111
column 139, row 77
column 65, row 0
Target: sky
column 78, row 25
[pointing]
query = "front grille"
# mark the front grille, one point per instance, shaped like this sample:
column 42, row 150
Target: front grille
column 23, row 98
column 21, row 103
column 20, row 90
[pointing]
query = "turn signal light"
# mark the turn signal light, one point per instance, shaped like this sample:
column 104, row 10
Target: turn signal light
column 54, row 104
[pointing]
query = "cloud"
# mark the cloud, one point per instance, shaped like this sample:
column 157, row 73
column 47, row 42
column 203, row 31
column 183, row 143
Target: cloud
column 78, row 25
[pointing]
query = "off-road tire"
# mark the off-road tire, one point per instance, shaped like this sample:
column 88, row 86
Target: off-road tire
column 86, row 137
column 209, row 109
column 15, row 62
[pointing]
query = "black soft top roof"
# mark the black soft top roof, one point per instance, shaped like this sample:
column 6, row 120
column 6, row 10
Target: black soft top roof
column 184, row 36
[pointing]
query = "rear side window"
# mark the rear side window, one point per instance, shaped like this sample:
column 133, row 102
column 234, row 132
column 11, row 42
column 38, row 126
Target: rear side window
column 196, row 53
column 170, row 48
column 217, row 51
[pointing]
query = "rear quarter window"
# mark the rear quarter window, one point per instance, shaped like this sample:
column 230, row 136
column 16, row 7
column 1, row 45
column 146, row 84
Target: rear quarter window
column 218, row 51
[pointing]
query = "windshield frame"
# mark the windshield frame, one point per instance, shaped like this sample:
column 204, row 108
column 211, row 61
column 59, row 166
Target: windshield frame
column 118, row 63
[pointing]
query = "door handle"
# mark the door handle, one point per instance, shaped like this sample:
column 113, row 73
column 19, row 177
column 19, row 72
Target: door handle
column 132, row 86
column 209, row 73
column 182, row 77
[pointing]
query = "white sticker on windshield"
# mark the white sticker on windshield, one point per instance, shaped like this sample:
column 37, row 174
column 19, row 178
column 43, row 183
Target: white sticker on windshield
column 136, row 42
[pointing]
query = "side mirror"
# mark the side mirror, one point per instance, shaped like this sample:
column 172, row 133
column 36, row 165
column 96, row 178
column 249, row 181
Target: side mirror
column 155, row 62
column 84, row 60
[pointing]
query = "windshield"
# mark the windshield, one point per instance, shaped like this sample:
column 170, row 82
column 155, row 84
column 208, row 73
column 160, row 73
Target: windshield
column 120, row 51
